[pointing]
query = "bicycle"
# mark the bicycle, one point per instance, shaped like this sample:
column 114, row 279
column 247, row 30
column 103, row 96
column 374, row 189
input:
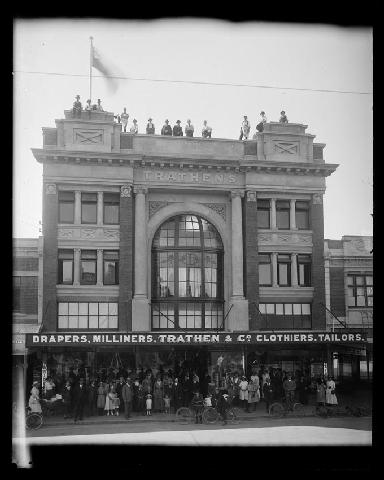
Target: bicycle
column 33, row 420
column 280, row 409
column 185, row 415
column 211, row 416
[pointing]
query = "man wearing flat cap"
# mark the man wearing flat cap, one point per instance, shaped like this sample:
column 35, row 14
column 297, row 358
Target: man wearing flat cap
column 177, row 130
column 150, row 127
column 283, row 117
column 167, row 129
column 77, row 107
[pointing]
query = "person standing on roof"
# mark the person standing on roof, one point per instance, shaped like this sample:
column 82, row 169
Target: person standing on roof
column 124, row 119
column 245, row 128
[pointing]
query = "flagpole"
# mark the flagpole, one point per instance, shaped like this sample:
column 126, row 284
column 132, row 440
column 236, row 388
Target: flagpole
column 90, row 69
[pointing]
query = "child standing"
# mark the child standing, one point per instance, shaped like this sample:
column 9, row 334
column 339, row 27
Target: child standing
column 148, row 403
column 167, row 403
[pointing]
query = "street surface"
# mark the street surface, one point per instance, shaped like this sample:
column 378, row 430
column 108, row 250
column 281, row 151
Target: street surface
column 263, row 431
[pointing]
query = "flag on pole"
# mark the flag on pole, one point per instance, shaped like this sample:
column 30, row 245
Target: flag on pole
column 102, row 65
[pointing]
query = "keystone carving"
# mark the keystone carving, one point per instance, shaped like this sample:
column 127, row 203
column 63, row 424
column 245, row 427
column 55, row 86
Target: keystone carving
column 251, row 196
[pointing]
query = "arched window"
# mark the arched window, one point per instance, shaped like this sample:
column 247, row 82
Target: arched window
column 187, row 275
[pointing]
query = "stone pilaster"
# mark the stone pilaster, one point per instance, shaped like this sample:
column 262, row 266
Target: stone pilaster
column 125, row 259
column 99, row 208
column 318, row 274
column 273, row 213
column 294, row 279
column 140, row 304
column 76, row 266
column 292, row 219
column 251, row 275
column 99, row 268
column 274, row 269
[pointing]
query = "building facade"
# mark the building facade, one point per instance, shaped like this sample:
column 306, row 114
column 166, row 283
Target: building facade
column 349, row 298
column 178, row 253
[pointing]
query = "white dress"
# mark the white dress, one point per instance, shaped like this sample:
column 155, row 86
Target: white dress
column 330, row 398
column 243, row 390
column 34, row 403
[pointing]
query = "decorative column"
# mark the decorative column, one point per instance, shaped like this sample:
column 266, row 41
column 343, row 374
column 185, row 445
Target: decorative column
column 77, row 207
column 126, row 258
column 293, row 215
column 76, row 266
column 273, row 213
column 274, row 270
column 238, row 318
column 294, row 279
column 99, row 208
column 99, row 269
column 140, row 304
column 237, row 244
column 251, row 260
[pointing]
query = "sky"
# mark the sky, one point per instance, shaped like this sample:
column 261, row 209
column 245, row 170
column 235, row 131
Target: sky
column 285, row 56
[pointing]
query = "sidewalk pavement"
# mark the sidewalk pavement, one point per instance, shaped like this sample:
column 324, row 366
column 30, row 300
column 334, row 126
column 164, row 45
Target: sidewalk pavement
column 357, row 399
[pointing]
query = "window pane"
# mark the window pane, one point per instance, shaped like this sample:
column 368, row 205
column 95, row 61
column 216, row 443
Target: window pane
column 351, row 301
column 297, row 309
column 288, row 308
column 88, row 213
column 73, row 321
column 110, row 272
column 93, row 321
column 113, row 322
column 302, row 220
column 111, row 214
column 306, row 308
column 63, row 321
column 279, row 308
column 263, row 219
column 73, row 308
column 265, row 274
column 66, row 212
column 359, row 280
column 83, row 308
column 67, row 267
column 350, row 280
column 262, row 308
column 103, row 308
column 369, row 280
column 112, row 308
column 370, row 291
column 93, row 309
column 270, row 308
column 370, row 301
column 282, row 220
column 63, row 308
column 360, row 301
column 83, row 321
column 88, row 271
column 283, row 273
column 103, row 321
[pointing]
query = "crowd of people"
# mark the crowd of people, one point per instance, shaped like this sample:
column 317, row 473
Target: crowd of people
column 176, row 130
column 144, row 393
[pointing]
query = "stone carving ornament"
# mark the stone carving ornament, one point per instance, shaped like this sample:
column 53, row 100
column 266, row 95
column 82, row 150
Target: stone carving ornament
column 65, row 233
column 156, row 206
column 218, row 208
column 50, row 189
column 317, row 199
column 125, row 191
column 111, row 233
column 88, row 233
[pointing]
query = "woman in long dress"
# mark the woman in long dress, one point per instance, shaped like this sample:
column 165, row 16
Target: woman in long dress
column 34, row 399
column 244, row 393
column 330, row 396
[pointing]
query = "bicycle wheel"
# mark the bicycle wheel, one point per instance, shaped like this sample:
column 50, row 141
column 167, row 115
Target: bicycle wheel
column 210, row 415
column 276, row 410
column 184, row 415
column 298, row 409
column 232, row 417
column 34, row 421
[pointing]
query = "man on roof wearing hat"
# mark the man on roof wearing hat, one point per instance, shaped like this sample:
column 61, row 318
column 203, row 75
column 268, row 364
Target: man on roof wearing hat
column 99, row 108
column 177, row 130
column 263, row 120
column 245, row 128
column 77, row 107
column 189, row 129
column 206, row 131
column 167, row 129
column 150, row 127
column 283, row 117
column 134, row 129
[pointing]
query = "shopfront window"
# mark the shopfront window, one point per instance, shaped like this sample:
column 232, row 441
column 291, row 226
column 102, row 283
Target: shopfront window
column 187, row 275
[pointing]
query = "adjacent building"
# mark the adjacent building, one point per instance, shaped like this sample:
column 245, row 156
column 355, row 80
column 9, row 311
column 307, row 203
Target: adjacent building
column 183, row 253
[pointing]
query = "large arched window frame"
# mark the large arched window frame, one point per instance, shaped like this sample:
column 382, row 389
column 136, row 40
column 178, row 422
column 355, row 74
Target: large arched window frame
column 187, row 275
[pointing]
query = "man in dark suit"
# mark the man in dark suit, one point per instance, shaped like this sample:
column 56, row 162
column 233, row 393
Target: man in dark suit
column 177, row 130
column 127, row 396
column 80, row 398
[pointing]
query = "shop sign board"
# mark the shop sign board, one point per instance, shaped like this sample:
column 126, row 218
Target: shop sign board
column 144, row 338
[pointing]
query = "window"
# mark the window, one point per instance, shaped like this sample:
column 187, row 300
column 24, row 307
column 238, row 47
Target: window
column 304, row 270
column 111, row 208
column 265, row 272
column 66, row 207
column 187, row 281
column 263, row 213
column 25, row 295
column 88, row 267
column 285, row 316
column 87, row 315
column 302, row 215
column 284, row 270
column 360, row 290
column 111, row 267
column 65, row 267
column 89, row 208
column 282, row 214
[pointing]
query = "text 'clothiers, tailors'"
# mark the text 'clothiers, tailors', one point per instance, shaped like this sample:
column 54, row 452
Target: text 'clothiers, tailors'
column 70, row 338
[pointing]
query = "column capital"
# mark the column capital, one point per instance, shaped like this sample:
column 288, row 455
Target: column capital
column 77, row 250
column 140, row 189
column 50, row 189
column 125, row 191
column 317, row 198
column 251, row 195
column 237, row 193
column 99, row 251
